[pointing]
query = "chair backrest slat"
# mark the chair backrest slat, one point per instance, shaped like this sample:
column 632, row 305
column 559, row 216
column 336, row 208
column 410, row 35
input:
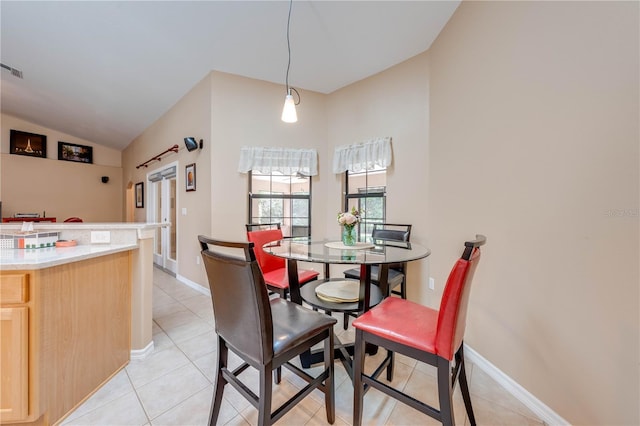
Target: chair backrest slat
column 260, row 237
column 391, row 232
column 452, row 317
column 241, row 305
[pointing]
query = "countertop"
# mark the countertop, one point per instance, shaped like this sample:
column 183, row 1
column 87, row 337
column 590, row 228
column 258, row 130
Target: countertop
column 30, row 259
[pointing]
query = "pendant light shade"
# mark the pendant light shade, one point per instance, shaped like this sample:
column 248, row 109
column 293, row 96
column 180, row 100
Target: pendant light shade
column 289, row 111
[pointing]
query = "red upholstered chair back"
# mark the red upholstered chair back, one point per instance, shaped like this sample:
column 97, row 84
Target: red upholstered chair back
column 452, row 317
column 259, row 238
column 73, row 219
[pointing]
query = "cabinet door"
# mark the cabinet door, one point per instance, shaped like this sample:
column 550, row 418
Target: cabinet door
column 14, row 385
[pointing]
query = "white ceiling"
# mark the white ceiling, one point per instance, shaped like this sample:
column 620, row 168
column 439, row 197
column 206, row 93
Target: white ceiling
column 105, row 71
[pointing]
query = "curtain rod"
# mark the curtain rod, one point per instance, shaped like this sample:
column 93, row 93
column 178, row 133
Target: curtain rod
column 159, row 156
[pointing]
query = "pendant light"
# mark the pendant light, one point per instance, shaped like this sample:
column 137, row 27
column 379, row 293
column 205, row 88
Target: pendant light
column 289, row 111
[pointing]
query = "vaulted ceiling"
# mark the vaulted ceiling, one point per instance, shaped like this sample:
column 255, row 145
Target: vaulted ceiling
column 105, row 71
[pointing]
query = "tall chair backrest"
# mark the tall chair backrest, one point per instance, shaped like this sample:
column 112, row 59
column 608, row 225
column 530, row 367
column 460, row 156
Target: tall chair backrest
column 260, row 237
column 390, row 232
column 452, row 317
column 385, row 232
column 240, row 301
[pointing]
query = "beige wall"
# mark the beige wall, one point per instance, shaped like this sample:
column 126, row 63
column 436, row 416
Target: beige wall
column 247, row 112
column 228, row 112
column 62, row 189
column 534, row 142
column 393, row 103
column 190, row 116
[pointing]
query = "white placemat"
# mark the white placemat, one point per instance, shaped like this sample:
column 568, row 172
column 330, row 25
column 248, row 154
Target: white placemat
column 340, row 245
column 339, row 291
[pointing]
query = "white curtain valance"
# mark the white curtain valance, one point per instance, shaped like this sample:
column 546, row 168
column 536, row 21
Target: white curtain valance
column 287, row 161
column 362, row 156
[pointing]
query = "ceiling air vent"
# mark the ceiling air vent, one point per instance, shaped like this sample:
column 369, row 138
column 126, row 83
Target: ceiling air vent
column 14, row 72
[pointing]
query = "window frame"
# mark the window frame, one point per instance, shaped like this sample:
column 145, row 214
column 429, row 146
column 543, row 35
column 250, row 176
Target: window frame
column 284, row 197
column 365, row 192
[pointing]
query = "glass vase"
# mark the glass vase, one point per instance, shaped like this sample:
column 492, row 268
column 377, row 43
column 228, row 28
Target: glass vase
column 349, row 235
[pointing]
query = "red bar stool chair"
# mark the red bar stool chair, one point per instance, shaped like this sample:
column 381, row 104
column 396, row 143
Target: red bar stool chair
column 274, row 269
column 431, row 336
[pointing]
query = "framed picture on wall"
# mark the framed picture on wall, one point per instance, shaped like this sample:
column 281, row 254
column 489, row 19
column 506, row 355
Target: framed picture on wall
column 73, row 152
column 140, row 195
column 24, row 143
column 190, row 177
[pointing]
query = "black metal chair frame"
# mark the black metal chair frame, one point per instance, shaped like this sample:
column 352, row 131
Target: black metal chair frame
column 272, row 361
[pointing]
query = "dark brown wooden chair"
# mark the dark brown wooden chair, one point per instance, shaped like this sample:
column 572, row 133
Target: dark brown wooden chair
column 431, row 336
column 265, row 333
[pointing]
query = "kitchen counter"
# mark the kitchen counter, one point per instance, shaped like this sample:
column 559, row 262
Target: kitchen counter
column 97, row 294
column 137, row 237
column 32, row 259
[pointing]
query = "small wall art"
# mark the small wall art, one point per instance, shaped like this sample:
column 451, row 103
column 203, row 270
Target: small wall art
column 73, row 152
column 140, row 195
column 24, row 143
column 190, row 177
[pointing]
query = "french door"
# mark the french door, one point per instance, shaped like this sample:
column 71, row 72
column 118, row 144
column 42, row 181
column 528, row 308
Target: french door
column 162, row 202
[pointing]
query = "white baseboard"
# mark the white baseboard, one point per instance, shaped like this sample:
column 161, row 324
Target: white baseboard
column 194, row 285
column 141, row 354
column 544, row 413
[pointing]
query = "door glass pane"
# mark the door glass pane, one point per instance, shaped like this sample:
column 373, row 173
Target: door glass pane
column 157, row 190
column 172, row 219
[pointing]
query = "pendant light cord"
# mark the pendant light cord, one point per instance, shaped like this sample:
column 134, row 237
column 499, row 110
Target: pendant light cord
column 288, row 45
column 290, row 89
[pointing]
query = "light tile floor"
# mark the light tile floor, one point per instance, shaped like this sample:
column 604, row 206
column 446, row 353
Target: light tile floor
column 174, row 385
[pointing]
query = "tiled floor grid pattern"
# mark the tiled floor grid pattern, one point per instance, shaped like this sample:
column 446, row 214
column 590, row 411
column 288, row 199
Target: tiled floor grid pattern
column 174, row 384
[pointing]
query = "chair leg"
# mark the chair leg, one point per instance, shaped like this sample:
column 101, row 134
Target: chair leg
column 264, row 402
column 390, row 369
column 277, row 375
column 358, row 385
column 218, row 388
column 445, row 392
column 403, row 288
column 345, row 323
column 464, row 386
column 329, row 395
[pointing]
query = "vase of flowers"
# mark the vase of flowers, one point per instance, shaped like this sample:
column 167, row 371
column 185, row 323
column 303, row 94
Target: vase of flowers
column 348, row 221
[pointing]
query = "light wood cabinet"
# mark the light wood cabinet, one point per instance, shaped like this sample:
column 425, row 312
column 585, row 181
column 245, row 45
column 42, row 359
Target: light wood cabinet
column 66, row 330
column 13, row 359
column 15, row 353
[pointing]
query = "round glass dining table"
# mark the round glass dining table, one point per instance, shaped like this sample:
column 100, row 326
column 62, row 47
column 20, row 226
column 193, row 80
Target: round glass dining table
column 334, row 252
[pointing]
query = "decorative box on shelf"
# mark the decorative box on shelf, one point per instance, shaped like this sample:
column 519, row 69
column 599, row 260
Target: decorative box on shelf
column 29, row 240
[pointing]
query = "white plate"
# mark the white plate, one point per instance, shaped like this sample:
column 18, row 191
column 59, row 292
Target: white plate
column 339, row 291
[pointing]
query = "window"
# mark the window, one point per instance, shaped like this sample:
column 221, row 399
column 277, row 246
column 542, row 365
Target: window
column 366, row 191
column 278, row 198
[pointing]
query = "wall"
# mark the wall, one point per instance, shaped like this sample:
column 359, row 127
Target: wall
column 534, row 142
column 393, row 103
column 62, row 189
column 190, row 116
column 247, row 112
column 227, row 111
